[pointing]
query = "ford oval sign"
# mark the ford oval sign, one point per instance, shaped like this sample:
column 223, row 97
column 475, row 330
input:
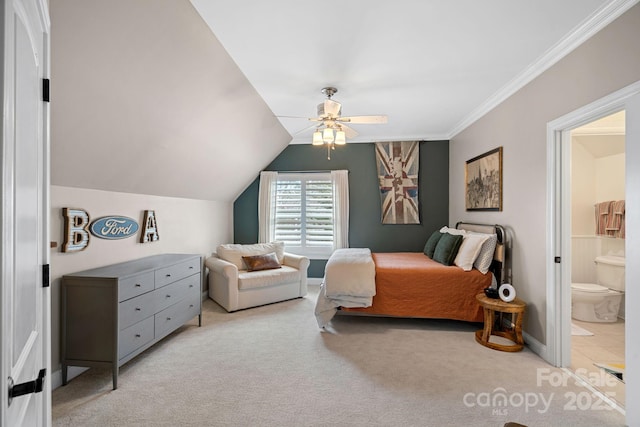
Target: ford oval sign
column 114, row 227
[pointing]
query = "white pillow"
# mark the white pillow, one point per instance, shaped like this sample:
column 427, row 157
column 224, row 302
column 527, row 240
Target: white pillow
column 453, row 231
column 469, row 250
column 485, row 257
column 233, row 252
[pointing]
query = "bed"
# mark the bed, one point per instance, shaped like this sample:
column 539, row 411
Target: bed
column 410, row 284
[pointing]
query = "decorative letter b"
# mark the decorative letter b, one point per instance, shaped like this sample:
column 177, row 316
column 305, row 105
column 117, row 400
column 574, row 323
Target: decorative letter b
column 76, row 236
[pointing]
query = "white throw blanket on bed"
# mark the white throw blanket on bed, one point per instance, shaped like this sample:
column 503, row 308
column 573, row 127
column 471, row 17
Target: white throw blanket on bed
column 349, row 281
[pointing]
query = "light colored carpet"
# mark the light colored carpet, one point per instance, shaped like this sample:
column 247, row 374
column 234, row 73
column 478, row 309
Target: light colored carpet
column 579, row 331
column 272, row 366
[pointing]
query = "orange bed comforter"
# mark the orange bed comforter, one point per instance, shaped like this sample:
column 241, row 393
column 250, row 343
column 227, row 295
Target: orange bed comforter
column 409, row 284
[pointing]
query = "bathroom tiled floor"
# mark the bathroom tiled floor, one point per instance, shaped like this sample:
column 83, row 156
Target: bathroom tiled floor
column 606, row 345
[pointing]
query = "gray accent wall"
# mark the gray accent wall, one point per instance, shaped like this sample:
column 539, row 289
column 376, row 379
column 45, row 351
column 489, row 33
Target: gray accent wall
column 365, row 228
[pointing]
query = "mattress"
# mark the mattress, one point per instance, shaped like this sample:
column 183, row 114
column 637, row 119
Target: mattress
column 409, row 284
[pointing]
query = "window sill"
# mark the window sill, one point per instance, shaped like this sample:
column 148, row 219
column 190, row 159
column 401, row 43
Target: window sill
column 310, row 255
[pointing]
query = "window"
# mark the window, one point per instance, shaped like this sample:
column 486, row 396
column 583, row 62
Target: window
column 308, row 211
column 304, row 217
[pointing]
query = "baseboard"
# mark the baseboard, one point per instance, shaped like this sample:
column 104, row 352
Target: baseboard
column 72, row 372
column 317, row 281
column 536, row 346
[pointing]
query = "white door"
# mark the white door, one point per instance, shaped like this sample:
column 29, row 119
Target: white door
column 24, row 215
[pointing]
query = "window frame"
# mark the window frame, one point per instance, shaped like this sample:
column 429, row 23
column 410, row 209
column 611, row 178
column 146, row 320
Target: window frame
column 321, row 252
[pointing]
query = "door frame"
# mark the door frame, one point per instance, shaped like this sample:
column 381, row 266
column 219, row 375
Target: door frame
column 559, row 218
column 558, row 233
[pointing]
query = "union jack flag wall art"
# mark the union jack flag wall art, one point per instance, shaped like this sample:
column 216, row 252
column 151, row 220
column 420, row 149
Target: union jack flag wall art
column 398, row 176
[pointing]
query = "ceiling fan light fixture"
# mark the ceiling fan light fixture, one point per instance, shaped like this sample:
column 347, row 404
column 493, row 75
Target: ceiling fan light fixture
column 332, row 128
column 317, row 138
column 327, row 135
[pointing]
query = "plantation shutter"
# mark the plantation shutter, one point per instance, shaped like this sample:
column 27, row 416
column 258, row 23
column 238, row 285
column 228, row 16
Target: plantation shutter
column 304, row 212
column 319, row 214
column 289, row 212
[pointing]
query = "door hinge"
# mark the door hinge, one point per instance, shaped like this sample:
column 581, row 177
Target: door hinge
column 45, row 276
column 45, row 90
column 29, row 387
column 557, row 260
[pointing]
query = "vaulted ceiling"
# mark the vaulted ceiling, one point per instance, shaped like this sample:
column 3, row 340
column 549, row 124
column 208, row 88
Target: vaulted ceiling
column 432, row 66
column 181, row 99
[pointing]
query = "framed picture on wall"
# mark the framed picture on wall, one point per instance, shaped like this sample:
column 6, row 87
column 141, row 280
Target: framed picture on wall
column 483, row 182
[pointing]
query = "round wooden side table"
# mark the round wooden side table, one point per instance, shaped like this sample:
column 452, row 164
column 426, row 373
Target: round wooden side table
column 494, row 324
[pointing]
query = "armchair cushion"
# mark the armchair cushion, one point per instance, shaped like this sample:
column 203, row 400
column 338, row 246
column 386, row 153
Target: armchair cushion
column 265, row 278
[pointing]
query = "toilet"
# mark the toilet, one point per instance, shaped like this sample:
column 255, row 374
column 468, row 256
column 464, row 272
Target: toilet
column 600, row 302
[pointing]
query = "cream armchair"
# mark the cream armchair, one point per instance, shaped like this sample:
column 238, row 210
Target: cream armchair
column 233, row 287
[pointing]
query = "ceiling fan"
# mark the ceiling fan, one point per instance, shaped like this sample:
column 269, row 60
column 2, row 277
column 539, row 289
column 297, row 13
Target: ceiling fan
column 331, row 127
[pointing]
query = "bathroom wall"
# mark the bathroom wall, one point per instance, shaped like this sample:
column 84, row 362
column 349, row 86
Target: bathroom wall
column 597, row 175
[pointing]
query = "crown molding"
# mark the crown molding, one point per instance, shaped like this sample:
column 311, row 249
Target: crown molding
column 590, row 26
column 364, row 140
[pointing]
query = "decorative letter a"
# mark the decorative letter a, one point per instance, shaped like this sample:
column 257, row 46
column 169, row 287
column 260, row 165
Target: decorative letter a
column 150, row 231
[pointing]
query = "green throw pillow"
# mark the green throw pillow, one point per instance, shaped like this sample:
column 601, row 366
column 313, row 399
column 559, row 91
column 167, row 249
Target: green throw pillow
column 432, row 241
column 447, row 248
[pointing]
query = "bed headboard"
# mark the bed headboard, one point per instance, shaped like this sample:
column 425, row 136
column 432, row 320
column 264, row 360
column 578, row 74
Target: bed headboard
column 501, row 255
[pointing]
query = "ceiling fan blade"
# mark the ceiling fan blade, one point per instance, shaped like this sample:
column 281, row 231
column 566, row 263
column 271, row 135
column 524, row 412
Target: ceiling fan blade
column 363, row 119
column 331, row 108
column 291, row 117
column 304, row 130
column 349, row 132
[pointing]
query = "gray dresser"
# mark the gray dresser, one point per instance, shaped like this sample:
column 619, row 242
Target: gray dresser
column 113, row 313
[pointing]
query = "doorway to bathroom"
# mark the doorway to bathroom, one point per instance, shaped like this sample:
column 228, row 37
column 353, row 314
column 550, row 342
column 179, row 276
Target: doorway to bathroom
column 557, row 348
column 597, row 188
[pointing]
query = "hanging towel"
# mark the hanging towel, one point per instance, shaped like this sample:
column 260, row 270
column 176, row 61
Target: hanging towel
column 603, row 210
column 615, row 220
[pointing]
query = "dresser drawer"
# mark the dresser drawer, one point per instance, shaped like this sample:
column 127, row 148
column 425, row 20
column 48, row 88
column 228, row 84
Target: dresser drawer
column 166, row 275
column 177, row 291
column 135, row 336
column 136, row 309
column 135, row 285
column 176, row 315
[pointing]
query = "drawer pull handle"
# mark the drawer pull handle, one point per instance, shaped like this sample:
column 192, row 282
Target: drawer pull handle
column 138, row 335
column 190, row 305
column 191, row 286
column 138, row 309
column 168, row 318
column 137, row 285
column 190, row 267
column 168, row 275
column 168, row 296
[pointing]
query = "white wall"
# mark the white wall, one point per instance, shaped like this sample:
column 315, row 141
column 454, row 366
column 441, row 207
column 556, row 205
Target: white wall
column 184, row 226
column 583, row 191
column 145, row 100
column 610, row 178
column 593, row 179
column 608, row 61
